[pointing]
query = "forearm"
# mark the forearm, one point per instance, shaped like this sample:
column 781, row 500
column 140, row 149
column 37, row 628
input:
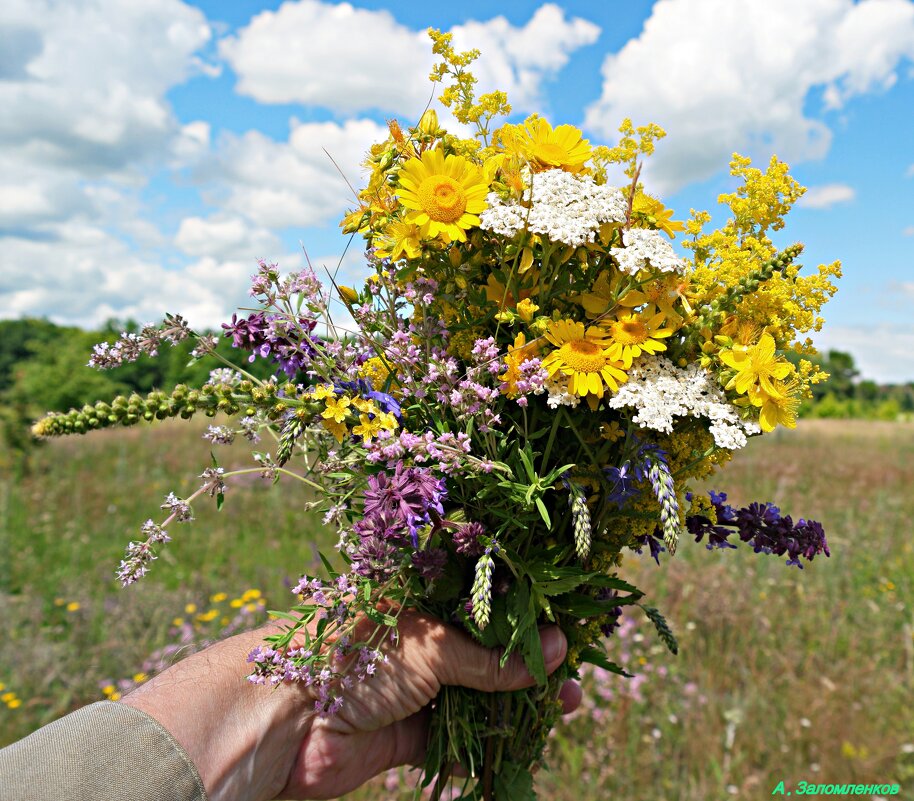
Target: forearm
column 242, row 738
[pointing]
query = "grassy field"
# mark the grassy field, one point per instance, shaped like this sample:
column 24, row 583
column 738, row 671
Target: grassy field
column 782, row 674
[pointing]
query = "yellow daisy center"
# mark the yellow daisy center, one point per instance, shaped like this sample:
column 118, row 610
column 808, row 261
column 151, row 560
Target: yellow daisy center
column 550, row 153
column 442, row 198
column 583, row 356
column 630, row 332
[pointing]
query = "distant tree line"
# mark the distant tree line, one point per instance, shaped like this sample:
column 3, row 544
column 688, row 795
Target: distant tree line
column 43, row 368
column 844, row 395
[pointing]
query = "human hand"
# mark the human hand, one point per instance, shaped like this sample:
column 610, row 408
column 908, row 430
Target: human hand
column 250, row 742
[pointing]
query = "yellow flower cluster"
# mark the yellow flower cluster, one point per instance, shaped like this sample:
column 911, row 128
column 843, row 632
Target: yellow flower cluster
column 574, row 306
column 343, row 414
column 9, row 698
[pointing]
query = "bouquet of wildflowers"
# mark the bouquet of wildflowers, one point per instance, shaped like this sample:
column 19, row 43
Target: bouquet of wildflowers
column 533, row 380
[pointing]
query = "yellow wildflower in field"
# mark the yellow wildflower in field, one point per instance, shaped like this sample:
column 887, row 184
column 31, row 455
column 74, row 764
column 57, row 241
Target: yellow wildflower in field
column 219, row 597
column 139, row 678
column 584, row 357
column 73, row 606
column 444, row 194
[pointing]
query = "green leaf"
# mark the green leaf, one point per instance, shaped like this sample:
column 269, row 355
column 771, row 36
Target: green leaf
column 283, row 615
column 514, row 782
column 580, row 605
column 594, row 656
column 532, row 651
column 614, row 584
column 544, row 513
column 327, row 566
column 485, row 637
column 376, row 616
column 220, row 499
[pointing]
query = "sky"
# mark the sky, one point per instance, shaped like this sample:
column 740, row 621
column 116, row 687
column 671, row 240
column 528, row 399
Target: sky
column 152, row 150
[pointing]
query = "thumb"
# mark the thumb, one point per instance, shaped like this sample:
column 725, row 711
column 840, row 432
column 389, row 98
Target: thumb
column 462, row 661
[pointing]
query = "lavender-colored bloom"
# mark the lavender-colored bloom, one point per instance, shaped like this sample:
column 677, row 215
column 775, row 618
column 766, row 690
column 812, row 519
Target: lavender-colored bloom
column 288, row 343
column 654, row 467
column 761, row 526
column 140, row 554
column 220, row 435
column 213, row 483
column 467, row 539
column 375, row 558
column 430, row 563
column 177, row 508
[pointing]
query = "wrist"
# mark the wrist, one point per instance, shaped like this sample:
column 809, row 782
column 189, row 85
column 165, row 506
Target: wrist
column 242, row 738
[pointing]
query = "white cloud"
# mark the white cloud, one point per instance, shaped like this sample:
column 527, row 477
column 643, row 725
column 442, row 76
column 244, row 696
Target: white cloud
column 826, row 196
column 720, row 76
column 346, row 69
column 224, row 236
column 294, row 183
column 883, row 353
column 85, row 275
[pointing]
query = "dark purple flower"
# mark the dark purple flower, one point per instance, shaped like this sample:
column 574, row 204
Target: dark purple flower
column 291, row 346
column 652, row 542
column 761, row 526
column 430, row 563
column 375, row 558
column 466, row 539
column 411, row 494
column 613, row 617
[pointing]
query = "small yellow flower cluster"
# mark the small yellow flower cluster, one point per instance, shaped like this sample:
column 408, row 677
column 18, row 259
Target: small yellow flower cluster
column 9, row 698
column 341, row 410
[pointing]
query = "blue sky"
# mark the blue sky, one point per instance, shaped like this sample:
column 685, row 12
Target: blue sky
column 153, row 149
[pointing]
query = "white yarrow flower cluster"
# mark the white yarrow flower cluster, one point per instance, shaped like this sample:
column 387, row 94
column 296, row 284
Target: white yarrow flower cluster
column 557, row 387
column 661, row 391
column 645, row 249
column 564, row 207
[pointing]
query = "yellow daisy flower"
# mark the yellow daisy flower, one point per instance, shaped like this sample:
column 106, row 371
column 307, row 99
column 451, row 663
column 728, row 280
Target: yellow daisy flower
column 549, row 148
column 583, row 356
column 756, row 365
column 444, row 194
column 338, row 430
column 632, row 334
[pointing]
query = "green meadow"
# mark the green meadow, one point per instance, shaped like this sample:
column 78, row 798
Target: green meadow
column 783, row 674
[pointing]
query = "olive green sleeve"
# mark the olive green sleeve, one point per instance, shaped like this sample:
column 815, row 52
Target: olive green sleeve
column 103, row 752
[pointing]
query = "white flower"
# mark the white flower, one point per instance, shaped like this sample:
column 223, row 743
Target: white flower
column 661, row 391
column 645, row 249
column 559, row 394
column 564, row 207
